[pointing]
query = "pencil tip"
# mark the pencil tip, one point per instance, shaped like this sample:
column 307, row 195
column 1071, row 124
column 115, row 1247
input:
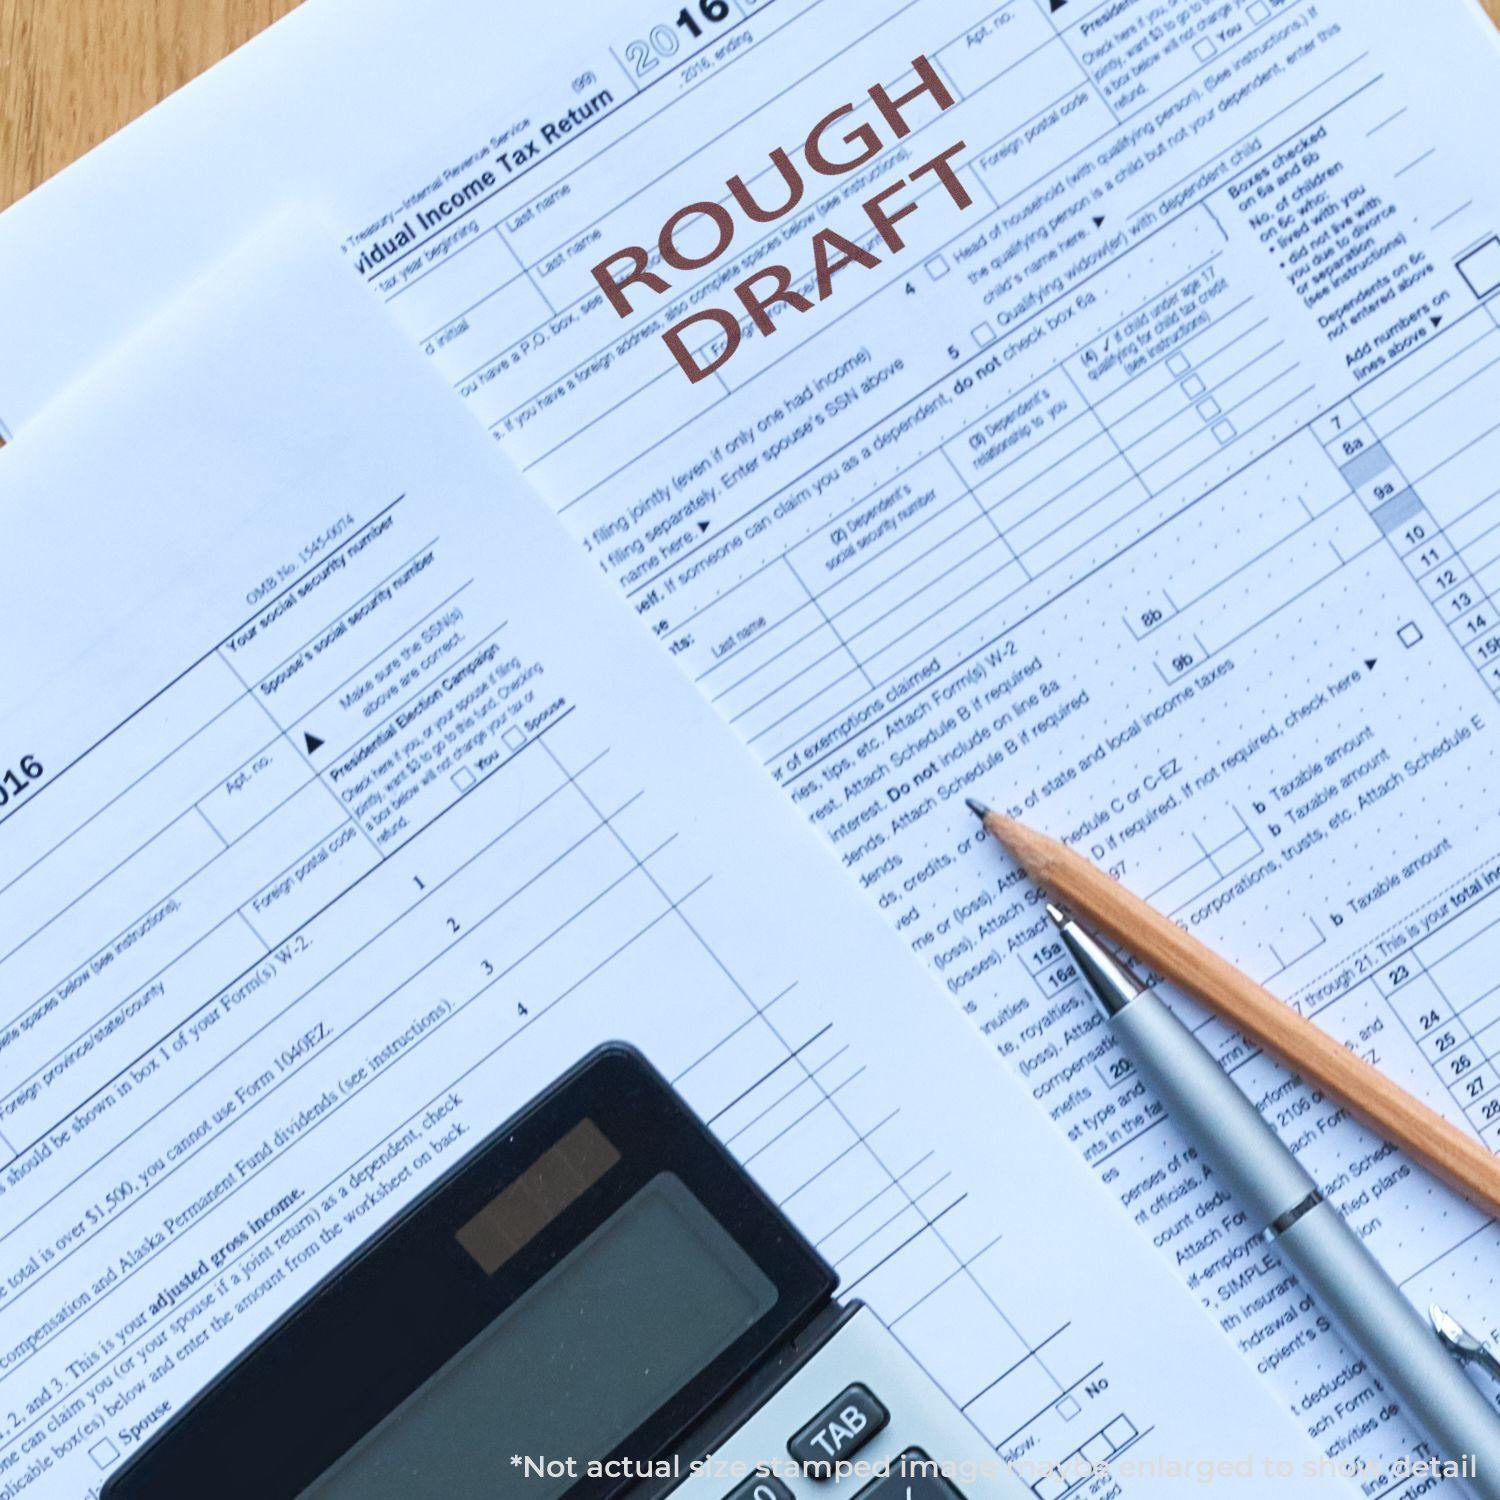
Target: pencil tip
column 978, row 808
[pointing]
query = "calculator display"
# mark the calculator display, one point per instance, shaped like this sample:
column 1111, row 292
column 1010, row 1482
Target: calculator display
column 628, row 1316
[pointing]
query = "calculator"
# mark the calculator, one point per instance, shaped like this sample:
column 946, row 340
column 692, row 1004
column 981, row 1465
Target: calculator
column 597, row 1301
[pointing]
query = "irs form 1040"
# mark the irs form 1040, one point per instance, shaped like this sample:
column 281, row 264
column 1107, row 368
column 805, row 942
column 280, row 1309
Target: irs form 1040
column 1154, row 493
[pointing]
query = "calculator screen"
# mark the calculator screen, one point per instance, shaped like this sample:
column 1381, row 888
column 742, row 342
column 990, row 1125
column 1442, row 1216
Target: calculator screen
column 578, row 1362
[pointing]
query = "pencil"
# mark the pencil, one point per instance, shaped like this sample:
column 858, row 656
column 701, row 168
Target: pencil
column 1445, row 1150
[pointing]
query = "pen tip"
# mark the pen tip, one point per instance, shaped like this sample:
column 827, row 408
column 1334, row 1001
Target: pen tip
column 1058, row 915
column 978, row 808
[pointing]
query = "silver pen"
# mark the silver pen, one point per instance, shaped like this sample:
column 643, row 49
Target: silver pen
column 1267, row 1181
column 1466, row 1349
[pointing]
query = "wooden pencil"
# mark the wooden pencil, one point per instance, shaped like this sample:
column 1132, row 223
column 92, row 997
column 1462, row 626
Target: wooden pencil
column 1140, row 930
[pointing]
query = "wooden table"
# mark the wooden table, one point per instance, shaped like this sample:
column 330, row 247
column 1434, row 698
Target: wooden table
column 73, row 71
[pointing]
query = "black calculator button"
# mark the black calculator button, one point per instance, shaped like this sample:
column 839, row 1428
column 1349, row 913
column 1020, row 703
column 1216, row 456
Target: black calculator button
column 843, row 1427
column 760, row 1487
column 913, row 1476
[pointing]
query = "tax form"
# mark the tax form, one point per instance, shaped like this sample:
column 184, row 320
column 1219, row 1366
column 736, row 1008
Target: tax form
column 1151, row 496
column 346, row 815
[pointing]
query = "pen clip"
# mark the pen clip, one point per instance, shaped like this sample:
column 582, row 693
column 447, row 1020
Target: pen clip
column 1462, row 1344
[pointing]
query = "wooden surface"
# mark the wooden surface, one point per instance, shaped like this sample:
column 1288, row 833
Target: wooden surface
column 74, row 71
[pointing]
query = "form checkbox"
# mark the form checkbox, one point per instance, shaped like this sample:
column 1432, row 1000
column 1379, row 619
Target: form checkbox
column 1120, row 1431
column 1194, row 386
column 514, row 737
column 1209, row 409
column 104, row 1453
column 1257, row 12
column 1068, row 1408
column 1409, row 634
column 1097, row 1449
column 937, row 267
column 1481, row 268
column 983, row 335
column 1225, row 432
column 1204, row 48
column 1178, row 364
column 463, row 778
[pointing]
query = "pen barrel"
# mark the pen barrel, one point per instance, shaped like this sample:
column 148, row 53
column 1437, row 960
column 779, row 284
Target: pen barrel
column 1347, row 1281
column 1259, row 1171
column 1403, row 1351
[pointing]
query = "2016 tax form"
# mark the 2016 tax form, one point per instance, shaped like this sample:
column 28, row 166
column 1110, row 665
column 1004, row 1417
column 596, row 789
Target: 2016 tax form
column 1152, row 494
column 335, row 846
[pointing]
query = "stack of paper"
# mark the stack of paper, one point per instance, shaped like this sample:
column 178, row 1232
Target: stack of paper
column 1146, row 488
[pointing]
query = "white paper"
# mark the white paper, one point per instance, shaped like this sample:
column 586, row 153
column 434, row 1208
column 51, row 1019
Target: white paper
column 1127, row 578
column 355, row 811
